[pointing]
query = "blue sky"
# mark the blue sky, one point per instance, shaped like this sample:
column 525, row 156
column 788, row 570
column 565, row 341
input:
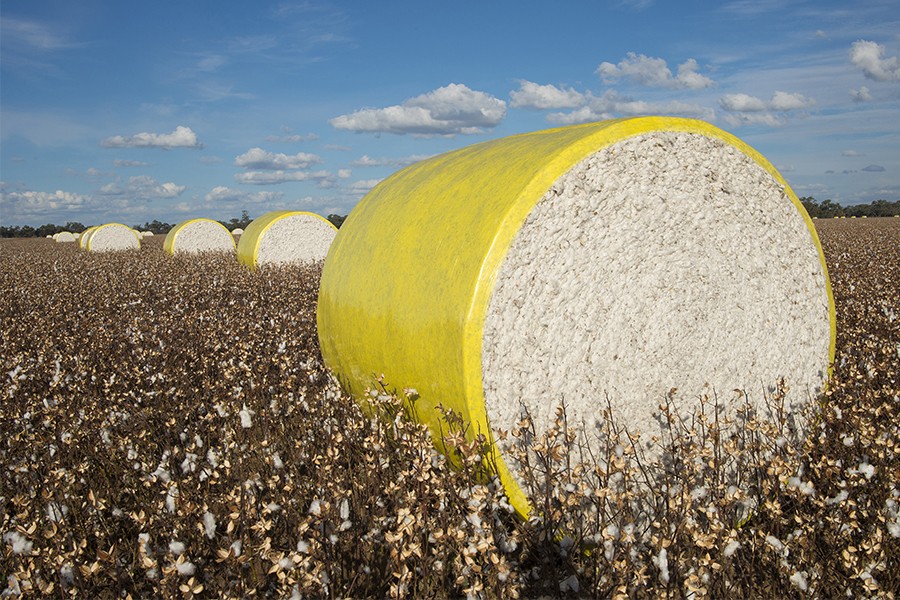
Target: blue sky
column 134, row 111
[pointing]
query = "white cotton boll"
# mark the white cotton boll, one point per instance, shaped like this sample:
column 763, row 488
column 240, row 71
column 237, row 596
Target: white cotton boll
column 345, row 509
column 220, row 410
column 19, row 543
column 799, row 580
column 176, row 547
column 189, row 463
column 246, row 421
column 570, row 584
column 286, row 563
column 186, row 568
column 315, row 507
column 212, row 458
column 699, row 492
column 662, row 563
column 209, row 524
column 303, row 546
column 866, row 469
column 774, row 542
column 67, row 574
column 276, row 461
column 731, row 548
column 56, row 511
column 235, row 547
column 170, row 498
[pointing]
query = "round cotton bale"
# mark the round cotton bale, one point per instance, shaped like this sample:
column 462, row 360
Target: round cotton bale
column 65, row 236
column 112, row 237
column 237, row 231
column 609, row 261
column 285, row 237
column 85, row 236
column 199, row 235
column 146, row 234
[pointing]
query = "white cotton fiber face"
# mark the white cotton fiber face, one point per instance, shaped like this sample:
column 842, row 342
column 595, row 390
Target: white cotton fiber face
column 667, row 260
column 204, row 236
column 295, row 239
column 113, row 237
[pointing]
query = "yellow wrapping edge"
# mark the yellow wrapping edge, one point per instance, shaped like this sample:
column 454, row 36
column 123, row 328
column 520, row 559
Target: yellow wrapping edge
column 99, row 227
column 561, row 149
column 169, row 242
column 248, row 246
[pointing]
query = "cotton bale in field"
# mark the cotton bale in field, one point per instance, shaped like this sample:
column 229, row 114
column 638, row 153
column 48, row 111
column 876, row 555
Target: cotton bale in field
column 85, row 236
column 608, row 261
column 146, row 234
column 199, row 235
column 112, row 237
column 285, row 236
column 65, row 237
column 237, row 231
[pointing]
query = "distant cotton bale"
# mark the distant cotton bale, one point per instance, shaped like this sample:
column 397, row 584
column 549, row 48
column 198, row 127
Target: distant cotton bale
column 199, row 235
column 285, row 237
column 65, row 236
column 237, row 231
column 600, row 264
column 146, row 234
column 112, row 237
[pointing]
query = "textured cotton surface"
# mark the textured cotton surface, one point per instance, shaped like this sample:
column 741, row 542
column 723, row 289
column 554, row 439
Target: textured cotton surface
column 297, row 238
column 202, row 235
column 112, row 236
column 66, row 236
column 666, row 260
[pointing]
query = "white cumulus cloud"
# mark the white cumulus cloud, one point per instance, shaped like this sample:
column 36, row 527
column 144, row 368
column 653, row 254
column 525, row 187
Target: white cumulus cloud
column 257, row 158
column 27, row 204
column 533, row 95
column 861, row 95
column 182, row 137
column 654, row 72
column 869, row 57
column 450, row 110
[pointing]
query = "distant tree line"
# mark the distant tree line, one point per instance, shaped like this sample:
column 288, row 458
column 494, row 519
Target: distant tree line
column 821, row 210
column 829, row 210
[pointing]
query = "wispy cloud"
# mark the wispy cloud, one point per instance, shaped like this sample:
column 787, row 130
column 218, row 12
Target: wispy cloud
column 368, row 161
column 612, row 104
column 744, row 109
column 450, row 110
column 182, row 137
column 257, row 158
column 142, row 187
column 323, row 178
column 225, row 195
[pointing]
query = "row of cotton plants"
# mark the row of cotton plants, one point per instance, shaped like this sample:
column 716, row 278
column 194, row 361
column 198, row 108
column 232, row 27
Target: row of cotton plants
column 168, row 430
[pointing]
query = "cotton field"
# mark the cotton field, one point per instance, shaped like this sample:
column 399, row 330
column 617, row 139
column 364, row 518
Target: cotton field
column 167, row 429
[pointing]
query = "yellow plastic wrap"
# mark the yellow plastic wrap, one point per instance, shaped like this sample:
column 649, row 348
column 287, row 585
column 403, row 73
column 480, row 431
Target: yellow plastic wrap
column 407, row 282
column 248, row 246
column 169, row 242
